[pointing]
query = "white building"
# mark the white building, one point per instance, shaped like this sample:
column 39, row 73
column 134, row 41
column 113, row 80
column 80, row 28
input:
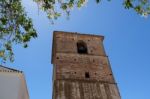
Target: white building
column 12, row 84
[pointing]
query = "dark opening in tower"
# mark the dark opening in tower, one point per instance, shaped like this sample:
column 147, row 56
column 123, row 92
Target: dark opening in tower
column 87, row 75
column 82, row 47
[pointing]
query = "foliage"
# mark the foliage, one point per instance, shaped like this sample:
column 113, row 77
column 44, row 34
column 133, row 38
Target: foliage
column 142, row 7
column 17, row 28
column 55, row 8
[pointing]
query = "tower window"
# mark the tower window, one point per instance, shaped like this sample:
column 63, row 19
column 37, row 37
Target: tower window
column 57, row 57
column 87, row 75
column 82, row 47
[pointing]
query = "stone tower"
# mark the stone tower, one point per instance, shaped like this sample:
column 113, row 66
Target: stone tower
column 81, row 68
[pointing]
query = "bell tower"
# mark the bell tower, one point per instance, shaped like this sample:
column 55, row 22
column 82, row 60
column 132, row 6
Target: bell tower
column 81, row 68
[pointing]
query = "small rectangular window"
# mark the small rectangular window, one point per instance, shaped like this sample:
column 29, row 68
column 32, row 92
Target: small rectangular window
column 87, row 75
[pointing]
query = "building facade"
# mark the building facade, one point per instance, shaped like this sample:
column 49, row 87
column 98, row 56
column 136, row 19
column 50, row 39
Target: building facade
column 12, row 84
column 81, row 68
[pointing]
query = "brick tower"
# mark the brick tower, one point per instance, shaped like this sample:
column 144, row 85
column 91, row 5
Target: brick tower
column 81, row 68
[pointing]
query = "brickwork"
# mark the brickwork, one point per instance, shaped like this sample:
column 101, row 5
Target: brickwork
column 68, row 89
column 74, row 69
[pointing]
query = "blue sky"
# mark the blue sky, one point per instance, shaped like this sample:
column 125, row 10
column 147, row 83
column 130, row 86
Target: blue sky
column 127, row 43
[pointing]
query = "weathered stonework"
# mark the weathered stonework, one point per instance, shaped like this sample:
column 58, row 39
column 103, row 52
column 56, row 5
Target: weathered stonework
column 81, row 75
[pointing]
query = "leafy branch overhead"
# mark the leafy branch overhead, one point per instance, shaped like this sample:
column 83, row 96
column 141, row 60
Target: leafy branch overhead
column 55, row 8
column 142, row 7
column 17, row 28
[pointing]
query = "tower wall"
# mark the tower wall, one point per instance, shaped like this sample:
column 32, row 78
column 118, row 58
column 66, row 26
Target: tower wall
column 81, row 76
column 81, row 89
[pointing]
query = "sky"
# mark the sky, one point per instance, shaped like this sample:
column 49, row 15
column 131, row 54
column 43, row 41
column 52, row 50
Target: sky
column 127, row 44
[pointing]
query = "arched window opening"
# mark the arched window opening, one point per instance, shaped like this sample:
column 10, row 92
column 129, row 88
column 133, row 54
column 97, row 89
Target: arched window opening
column 82, row 47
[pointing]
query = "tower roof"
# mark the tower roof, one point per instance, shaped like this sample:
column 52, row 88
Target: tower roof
column 80, row 34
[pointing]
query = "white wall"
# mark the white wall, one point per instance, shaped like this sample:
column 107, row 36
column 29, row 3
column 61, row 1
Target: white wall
column 12, row 86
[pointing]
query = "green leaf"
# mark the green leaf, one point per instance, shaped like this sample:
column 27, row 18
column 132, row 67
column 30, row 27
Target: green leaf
column 97, row 1
column 128, row 4
column 64, row 6
column 25, row 45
